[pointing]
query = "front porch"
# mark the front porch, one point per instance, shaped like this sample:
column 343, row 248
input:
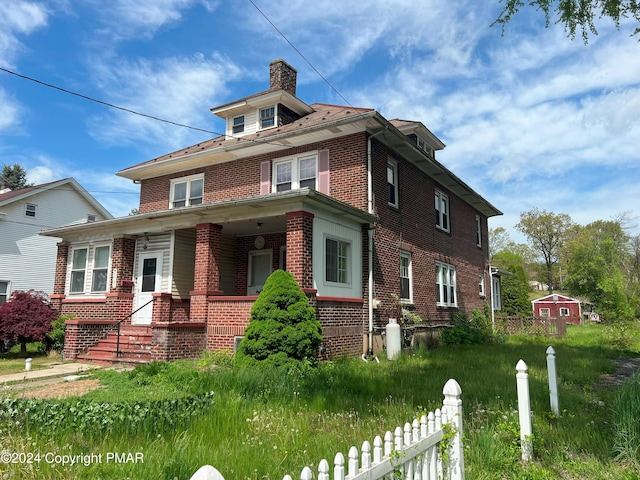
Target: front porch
column 201, row 280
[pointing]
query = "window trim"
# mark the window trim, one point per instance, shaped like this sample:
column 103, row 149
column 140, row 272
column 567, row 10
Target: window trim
column 188, row 201
column 238, row 127
column 406, row 255
column 444, row 272
column 394, row 168
column 440, row 215
column 565, row 310
column 478, row 231
column 481, row 286
column 545, row 312
column 89, row 269
column 273, row 117
column 347, row 262
column 7, row 291
column 295, row 171
column 30, row 210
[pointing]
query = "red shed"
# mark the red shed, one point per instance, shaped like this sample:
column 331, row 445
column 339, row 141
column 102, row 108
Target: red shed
column 556, row 305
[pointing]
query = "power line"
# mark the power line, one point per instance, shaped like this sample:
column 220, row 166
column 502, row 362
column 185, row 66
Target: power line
column 110, row 105
column 133, row 112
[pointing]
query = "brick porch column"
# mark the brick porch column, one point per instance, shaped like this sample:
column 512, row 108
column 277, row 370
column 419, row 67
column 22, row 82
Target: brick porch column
column 300, row 247
column 206, row 274
column 60, row 279
column 122, row 258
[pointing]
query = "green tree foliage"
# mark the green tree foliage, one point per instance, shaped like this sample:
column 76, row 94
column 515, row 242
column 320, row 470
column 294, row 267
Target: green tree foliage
column 547, row 233
column 597, row 252
column 473, row 331
column 283, row 330
column 576, row 15
column 26, row 317
column 515, row 287
column 14, row 177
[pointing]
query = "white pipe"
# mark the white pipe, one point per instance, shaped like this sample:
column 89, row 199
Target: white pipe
column 370, row 235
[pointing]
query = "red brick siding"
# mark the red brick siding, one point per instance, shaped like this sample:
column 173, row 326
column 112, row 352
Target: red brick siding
column 272, row 241
column 300, row 247
column 61, row 268
column 175, row 341
column 411, row 227
column 241, row 178
column 122, row 258
column 80, row 335
column 228, row 318
column 343, row 325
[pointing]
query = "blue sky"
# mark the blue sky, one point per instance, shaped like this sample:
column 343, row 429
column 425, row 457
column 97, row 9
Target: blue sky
column 530, row 119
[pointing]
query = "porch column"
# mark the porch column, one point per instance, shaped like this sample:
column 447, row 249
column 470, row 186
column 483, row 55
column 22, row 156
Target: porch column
column 300, row 247
column 206, row 274
column 60, row 279
column 122, row 258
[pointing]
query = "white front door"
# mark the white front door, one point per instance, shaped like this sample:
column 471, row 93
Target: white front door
column 148, row 281
column 260, row 267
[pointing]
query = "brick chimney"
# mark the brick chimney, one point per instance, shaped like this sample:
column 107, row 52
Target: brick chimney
column 282, row 75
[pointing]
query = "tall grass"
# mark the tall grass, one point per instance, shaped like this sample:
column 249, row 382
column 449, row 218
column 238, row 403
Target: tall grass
column 265, row 424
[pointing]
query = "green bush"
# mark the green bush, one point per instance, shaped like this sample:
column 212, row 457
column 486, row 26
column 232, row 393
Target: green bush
column 464, row 331
column 626, row 412
column 54, row 340
column 283, row 330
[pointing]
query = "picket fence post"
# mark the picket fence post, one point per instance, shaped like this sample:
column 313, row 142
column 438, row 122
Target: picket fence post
column 524, row 410
column 553, row 381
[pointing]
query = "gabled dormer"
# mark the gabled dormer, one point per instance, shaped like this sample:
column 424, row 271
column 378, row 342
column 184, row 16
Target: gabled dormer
column 273, row 108
column 420, row 135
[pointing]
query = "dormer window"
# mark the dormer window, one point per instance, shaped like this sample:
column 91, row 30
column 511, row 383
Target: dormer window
column 424, row 146
column 267, row 117
column 238, row 124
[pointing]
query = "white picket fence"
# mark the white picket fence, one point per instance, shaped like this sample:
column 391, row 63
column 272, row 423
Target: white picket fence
column 410, row 453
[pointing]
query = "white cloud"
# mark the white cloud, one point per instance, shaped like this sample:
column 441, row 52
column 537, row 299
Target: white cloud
column 177, row 89
column 9, row 111
column 18, row 18
column 125, row 19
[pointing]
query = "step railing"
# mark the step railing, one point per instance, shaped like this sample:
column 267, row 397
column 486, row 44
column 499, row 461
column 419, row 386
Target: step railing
column 118, row 324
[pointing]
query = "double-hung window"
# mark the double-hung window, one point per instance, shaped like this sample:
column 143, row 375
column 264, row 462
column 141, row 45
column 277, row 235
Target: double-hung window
column 337, row 259
column 392, row 183
column 90, row 263
column 442, row 211
column 100, row 269
column 238, row 124
column 267, row 117
column 30, row 210
column 78, row 270
column 406, row 290
column 481, row 285
column 545, row 312
column 186, row 191
column 4, row 291
column 295, row 173
column 445, row 285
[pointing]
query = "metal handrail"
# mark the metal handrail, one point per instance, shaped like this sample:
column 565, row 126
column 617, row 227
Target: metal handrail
column 119, row 322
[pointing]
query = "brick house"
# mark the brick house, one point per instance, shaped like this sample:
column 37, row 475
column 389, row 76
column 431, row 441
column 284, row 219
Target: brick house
column 339, row 196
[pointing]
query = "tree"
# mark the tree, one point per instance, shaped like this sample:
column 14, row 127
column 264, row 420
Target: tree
column 596, row 257
column 515, row 287
column 26, row 317
column 546, row 232
column 283, row 330
column 14, row 177
column 576, row 14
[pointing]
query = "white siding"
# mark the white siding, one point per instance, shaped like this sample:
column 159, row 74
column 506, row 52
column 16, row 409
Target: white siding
column 347, row 232
column 184, row 260
column 250, row 123
column 27, row 259
column 162, row 245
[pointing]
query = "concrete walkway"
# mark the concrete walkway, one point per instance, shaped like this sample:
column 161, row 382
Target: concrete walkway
column 55, row 370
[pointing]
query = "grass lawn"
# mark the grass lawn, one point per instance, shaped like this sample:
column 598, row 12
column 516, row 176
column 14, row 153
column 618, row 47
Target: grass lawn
column 14, row 361
column 265, row 424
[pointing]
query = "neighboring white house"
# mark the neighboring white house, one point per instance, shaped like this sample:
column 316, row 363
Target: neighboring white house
column 27, row 259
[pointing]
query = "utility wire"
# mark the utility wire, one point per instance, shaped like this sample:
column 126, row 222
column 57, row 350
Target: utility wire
column 134, row 112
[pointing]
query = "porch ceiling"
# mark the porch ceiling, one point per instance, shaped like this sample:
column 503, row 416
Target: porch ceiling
column 239, row 217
